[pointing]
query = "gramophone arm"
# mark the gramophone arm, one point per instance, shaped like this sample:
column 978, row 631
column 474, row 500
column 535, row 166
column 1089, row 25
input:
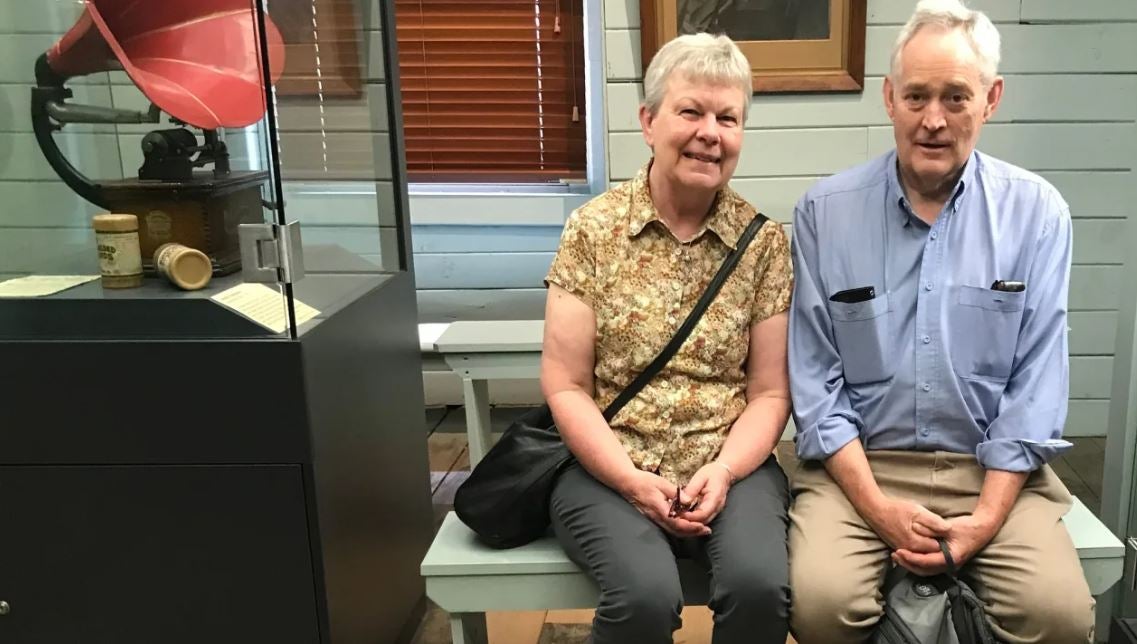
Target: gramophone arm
column 79, row 113
column 51, row 91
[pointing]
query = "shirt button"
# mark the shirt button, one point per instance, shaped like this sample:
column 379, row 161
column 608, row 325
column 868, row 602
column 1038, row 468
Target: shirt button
column 926, row 387
column 671, row 320
column 678, row 286
column 925, row 431
column 926, row 339
column 934, row 234
column 928, row 286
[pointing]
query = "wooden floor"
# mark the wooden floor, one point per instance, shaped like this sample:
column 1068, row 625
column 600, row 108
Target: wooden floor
column 1080, row 469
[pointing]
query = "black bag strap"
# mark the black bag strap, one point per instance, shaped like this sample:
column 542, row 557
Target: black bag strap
column 951, row 569
column 688, row 325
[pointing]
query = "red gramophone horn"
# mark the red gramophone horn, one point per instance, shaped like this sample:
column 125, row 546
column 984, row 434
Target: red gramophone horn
column 197, row 60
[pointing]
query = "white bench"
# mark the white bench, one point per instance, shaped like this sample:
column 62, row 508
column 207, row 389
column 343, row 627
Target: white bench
column 466, row 578
column 480, row 351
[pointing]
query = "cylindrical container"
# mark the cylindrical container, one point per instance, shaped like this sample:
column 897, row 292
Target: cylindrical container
column 188, row 268
column 120, row 260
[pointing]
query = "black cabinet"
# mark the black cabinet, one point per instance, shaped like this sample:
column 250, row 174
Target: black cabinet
column 246, row 490
column 120, row 554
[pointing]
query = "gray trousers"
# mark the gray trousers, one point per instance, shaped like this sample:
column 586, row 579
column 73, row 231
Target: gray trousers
column 634, row 561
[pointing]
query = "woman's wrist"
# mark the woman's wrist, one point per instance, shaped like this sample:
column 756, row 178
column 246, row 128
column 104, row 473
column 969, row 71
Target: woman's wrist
column 727, row 468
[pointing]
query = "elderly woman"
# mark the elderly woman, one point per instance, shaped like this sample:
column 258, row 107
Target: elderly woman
column 630, row 267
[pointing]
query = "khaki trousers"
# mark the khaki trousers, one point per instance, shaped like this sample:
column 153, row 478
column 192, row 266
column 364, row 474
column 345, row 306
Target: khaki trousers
column 1028, row 575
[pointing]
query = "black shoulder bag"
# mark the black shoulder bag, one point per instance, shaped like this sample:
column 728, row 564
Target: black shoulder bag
column 505, row 501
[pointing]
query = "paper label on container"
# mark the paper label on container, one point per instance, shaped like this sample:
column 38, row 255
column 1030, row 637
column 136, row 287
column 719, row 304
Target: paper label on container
column 119, row 253
column 40, row 285
column 264, row 305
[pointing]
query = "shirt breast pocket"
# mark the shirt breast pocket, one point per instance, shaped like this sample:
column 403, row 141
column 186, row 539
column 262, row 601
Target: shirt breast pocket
column 984, row 332
column 863, row 333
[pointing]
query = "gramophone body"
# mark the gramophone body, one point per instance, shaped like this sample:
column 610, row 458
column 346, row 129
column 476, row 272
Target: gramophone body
column 197, row 61
column 202, row 213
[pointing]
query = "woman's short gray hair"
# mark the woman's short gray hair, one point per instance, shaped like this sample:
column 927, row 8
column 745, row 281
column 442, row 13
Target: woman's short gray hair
column 699, row 57
column 950, row 15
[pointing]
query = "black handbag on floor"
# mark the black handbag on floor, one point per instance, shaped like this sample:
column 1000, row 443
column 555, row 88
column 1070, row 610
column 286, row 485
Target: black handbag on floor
column 505, row 501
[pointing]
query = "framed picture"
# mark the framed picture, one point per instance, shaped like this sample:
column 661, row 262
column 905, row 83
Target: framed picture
column 792, row 45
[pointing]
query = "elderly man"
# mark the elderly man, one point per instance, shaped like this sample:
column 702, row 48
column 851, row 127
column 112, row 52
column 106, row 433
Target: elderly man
column 928, row 361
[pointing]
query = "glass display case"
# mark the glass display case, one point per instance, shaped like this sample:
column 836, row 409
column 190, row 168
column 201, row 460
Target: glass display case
column 212, row 396
column 165, row 175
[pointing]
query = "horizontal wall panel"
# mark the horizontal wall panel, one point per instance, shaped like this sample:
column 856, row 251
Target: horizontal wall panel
column 621, row 14
column 18, row 54
column 1099, row 241
column 482, row 304
column 494, row 209
column 1098, row 146
column 309, row 114
column 1092, row 333
column 48, row 204
column 485, row 239
column 897, row 12
column 765, row 152
column 39, row 17
column 360, row 240
column 1091, row 376
column 346, row 204
column 349, row 156
column 1082, row 11
column 1095, row 194
column 1051, row 98
column 481, row 270
column 1087, row 418
column 622, row 54
column 16, row 112
column 95, row 155
column 49, row 251
column 775, row 197
column 1095, row 288
column 1037, row 49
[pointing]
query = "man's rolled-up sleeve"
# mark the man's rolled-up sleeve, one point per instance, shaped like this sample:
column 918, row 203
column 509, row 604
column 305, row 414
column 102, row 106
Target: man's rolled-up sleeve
column 1027, row 431
column 825, row 419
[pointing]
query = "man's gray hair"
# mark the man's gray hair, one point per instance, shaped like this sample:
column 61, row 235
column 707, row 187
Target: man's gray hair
column 699, row 58
column 951, row 15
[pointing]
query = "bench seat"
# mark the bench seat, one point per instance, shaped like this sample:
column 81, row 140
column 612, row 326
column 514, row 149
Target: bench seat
column 466, row 578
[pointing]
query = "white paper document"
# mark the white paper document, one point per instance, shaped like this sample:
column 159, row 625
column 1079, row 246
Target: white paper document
column 263, row 305
column 40, row 285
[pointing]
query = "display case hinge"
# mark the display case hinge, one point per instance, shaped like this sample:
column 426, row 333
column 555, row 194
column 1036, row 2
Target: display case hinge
column 271, row 252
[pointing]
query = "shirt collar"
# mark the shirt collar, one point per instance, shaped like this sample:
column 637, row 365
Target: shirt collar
column 896, row 191
column 727, row 219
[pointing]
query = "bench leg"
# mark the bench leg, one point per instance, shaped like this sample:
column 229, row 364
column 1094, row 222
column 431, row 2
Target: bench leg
column 468, row 628
column 476, row 394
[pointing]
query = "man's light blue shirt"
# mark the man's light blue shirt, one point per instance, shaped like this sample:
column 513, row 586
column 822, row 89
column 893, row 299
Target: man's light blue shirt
column 938, row 360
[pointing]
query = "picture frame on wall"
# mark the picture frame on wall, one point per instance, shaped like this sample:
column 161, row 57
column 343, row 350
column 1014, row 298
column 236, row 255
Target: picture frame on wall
column 792, row 45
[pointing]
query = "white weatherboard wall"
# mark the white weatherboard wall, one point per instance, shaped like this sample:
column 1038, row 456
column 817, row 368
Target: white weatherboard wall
column 1069, row 114
column 44, row 226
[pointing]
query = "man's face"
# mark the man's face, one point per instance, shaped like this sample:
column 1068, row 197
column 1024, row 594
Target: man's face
column 937, row 104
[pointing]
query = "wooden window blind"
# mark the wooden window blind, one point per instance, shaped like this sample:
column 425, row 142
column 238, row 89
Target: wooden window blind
column 492, row 90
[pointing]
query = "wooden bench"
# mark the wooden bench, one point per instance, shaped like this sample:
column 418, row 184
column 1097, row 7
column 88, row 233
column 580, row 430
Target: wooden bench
column 466, row 578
